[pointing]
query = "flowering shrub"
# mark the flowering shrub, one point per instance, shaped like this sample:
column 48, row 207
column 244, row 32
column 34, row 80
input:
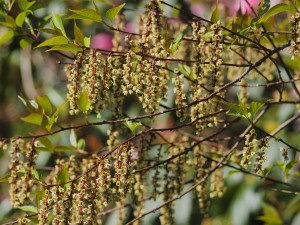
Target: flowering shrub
column 184, row 106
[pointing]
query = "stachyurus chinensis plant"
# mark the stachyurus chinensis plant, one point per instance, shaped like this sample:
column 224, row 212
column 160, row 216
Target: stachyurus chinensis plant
column 184, row 110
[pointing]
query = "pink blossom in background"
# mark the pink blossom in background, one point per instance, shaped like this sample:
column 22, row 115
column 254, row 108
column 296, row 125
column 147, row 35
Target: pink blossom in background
column 197, row 9
column 130, row 27
column 102, row 41
column 235, row 5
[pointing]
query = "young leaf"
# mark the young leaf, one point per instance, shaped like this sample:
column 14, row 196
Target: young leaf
column 34, row 118
column 81, row 144
column 271, row 216
column 50, row 31
column 44, row 103
column 132, row 126
column 255, row 107
column 63, row 148
column 263, row 7
column 79, row 37
column 24, row 4
column 54, row 117
column 21, row 18
column 237, row 113
column 87, row 41
column 83, row 102
column 88, row 14
column 9, row 21
column 178, row 39
column 36, row 174
column 24, row 43
column 236, row 110
column 112, row 12
column 273, row 11
column 245, row 31
column 5, row 178
column 215, row 15
column 59, row 40
column 63, row 176
column 187, row 71
column 46, row 142
column 28, row 208
column 66, row 47
column 56, row 19
column 6, row 37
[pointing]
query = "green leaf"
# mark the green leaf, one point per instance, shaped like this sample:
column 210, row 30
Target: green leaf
column 187, row 71
column 175, row 44
column 88, row 14
column 28, row 208
column 59, row 40
column 112, row 12
column 22, row 170
column 83, row 102
column 46, row 142
column 39, row 194
column 24, row 4
column 79, row 37
column 64, row 148
column 9, row 21
column 44, row 103
column 81, row 144
column 245, row 31
column 24, row 43
column 63, row 176
column 87, row 41
column 6, row 37
column 236, row 110
column 290, row 165
column 36, row 174
column 44, row 149
column 216, row 14
column 21, row 18
column 263, row 7
column 54, row 117
column 66, row 47
column 208, row 34
column 50, row 31
column 255, row 107
column 273, row 11
column 132, row 126
column 271, row 216
column 5, row 178
column 56, row 19
column 34, row 118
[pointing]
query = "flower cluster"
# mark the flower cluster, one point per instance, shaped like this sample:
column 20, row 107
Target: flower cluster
column 260, row 158
column 208, row 77
column 295, row 35
column 201, row 168
column 21, row 167
column 88, row 76
column 248, row 150
column 77, row 193
column 217, row 186
column 285, row 154
column 180, row 96
column 254, row 150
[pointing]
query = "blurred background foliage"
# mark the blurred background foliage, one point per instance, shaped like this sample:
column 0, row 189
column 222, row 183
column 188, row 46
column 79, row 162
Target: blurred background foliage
column 28, row 72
